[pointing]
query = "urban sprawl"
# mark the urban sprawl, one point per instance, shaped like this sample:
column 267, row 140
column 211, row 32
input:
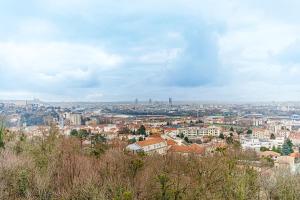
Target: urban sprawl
column 271, row 130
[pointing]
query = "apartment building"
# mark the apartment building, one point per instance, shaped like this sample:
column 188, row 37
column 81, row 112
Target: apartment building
column 75, row 119
column 261, row 133
column 149, row 146
column 194, row 132
column 256, row 144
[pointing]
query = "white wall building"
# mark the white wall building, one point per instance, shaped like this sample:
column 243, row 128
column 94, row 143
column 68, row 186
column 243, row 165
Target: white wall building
column 149, row 146
column 194, row 132
column 255, row 143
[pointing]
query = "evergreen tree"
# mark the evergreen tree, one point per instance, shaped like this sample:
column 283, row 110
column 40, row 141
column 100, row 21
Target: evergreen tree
column 74, row 133
column 287, row 147
column 289, row 142
column 221, row 136
column 82, row 133
column 141, row 130
column 133, row 132
column 98, row 145
column 229, row 140
column 186, row 139
column 131, row 141
column 98, row 139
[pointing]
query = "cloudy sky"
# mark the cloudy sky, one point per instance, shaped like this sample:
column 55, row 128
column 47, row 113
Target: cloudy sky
column 96, row 50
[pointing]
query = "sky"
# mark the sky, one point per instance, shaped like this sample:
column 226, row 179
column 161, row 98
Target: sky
column 119, row 50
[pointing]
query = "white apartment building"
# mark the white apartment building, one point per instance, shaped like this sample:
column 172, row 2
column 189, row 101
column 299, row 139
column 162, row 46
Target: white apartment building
column 194, row 132
column 252, row 143
column 257, row 121
column 156, row 124
column 256, row 144
column 282, row 133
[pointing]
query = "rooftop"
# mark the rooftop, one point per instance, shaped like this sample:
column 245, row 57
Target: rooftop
column 194, row 148
column 150, row 141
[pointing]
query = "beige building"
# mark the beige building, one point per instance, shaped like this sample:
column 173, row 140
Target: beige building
column 194, row 132
column 261, row 133
column 75, row 119
column 149, row 146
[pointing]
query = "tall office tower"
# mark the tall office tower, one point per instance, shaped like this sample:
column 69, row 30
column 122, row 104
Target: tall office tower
column 170, row 101
column 136, row 101
column 150, row 101
column 75, row 119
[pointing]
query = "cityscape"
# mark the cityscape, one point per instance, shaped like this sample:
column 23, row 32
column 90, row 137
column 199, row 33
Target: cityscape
column 149, row 100
column 272, row 130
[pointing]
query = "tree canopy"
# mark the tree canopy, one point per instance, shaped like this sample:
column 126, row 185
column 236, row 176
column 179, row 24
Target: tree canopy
column 287, row 147
column 141, row 130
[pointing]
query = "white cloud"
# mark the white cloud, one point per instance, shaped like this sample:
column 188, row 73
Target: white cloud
column 160, row 57
column 35, row 27
column 259, row 42
column 52, row 70
column 55, row 57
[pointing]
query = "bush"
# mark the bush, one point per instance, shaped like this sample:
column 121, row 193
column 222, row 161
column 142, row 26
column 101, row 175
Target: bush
column 22, row 183
column 264, row 149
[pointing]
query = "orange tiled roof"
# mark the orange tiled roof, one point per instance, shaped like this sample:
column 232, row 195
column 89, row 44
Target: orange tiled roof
column 194, row 148
column 197, row 149
column 171, row 142
column 170, row 129
column 150, row 141
column 294, row 135
column 295, row 155
column 259, row 129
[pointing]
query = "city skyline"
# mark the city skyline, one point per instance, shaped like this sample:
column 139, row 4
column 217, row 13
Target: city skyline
column 149, row 99
column 113, row 51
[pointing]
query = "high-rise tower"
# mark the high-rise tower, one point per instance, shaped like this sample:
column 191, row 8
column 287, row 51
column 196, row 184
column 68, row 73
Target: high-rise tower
column 170, row 101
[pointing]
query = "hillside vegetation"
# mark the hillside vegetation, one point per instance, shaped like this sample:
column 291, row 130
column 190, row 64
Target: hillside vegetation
column 59, row 167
